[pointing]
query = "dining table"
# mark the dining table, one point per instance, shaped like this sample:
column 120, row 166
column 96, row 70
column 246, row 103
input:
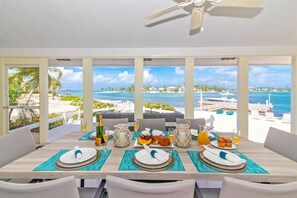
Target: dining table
column 279, row 168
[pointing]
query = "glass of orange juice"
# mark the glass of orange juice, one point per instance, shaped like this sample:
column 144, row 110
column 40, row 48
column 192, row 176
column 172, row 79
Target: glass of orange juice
column 83, row 124
column 106, row 137
column 171, row 138
column 136, row 125
column 236, row 137
column 203, row 138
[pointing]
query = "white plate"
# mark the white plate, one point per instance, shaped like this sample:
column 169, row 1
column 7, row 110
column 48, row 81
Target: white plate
column 216, row 159
column 110, row 132
column 69, row 158
column 215, row 144
column 194, row 132
column 155, row 132
column 137, row 145
column 144, row 157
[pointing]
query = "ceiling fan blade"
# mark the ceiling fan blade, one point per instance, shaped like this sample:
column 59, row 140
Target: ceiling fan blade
column 196, row 18
column 166, row 10
column 238, row 3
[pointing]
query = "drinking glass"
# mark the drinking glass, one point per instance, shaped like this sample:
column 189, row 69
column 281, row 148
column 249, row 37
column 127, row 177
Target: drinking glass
column 136, row 125
column 106, row 137
column 171, row 138
column 83, row 124
column 236, row 138
column 203, row 138
column 188, row 123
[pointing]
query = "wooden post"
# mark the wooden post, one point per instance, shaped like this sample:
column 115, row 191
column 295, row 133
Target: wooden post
column 138, row 94
column 242, row 96
column 43, row 97
column 189, row 87
column 88, row 91
column 4, row 123
column 293, row 95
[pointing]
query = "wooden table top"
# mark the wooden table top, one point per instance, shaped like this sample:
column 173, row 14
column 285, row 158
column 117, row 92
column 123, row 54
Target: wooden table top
column 280, row 168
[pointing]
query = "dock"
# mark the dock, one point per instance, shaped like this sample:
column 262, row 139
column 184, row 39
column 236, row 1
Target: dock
column 214, row 106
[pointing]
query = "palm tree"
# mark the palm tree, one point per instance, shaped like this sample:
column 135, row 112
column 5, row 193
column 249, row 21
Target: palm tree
column 30, row 75
column 55, row 83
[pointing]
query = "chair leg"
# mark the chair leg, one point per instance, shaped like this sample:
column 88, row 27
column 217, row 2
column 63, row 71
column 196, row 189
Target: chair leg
column 197, row 192
column 82, row 183
column 101, row 191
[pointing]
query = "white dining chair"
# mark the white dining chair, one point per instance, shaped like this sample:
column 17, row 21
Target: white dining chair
column 118, row 187
column 232, row 187
column 286, row 118
column 158, row 124
column 111, row 122
column 16, row 145
column 238, row 188
column 255, row 114
column 64, row 187
column 282, row 142
column 194, row 123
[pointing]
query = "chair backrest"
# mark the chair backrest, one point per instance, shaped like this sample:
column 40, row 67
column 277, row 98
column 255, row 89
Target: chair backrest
column 269, row 116
column 237, row 188
column 117, row 187
column 158, row 124
column 282, row 142
column 194, row 123
column 286, row 117
column 65, row 187
column 15, row 145
column 111, row 122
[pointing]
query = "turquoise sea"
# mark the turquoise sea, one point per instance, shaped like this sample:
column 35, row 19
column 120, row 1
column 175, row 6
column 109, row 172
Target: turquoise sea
column 280, row 100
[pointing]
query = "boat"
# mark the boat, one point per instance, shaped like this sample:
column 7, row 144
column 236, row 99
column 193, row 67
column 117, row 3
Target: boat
column 224, row 98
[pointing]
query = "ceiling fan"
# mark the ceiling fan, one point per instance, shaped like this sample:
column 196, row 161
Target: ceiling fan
column 198, row 10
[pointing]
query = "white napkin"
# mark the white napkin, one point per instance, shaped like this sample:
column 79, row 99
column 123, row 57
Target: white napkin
column 154, row 132
column 154, row 153
column 224, row 155
column 77, row 154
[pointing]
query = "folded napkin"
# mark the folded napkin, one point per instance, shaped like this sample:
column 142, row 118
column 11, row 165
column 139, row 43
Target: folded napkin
column 154, row 154
column 154, row 132
column 77, row 154
column 224, row 155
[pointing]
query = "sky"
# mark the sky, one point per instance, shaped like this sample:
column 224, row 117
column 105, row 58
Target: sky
column 222, row 76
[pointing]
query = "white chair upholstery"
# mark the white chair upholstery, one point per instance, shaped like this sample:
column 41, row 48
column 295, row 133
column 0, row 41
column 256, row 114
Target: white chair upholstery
column 158, row 124
column 65, row 187
column 194, row 123
column 16, row 145
column 286, row 118
column 117, row 187
column 255, row 114
column 111, row 122
column 238, row 188
column 282, row 142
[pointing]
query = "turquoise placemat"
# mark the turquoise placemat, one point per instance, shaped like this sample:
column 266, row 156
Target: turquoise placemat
column 86, row 136
column 127, row 164
column 49, row 165
column 252, row 167
column 137, row 133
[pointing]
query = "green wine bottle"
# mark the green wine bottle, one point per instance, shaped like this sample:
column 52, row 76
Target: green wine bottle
column 99, row 133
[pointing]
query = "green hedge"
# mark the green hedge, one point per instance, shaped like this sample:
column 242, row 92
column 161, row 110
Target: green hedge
column 71, row 98
column 163, row 106
column 101, row 105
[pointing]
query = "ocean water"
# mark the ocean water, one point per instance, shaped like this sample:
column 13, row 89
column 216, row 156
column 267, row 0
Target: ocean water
column 281, row 101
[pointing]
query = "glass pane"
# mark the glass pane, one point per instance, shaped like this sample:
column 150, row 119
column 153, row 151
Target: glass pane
column 23, row 86
column 270, row 99
column 163, row 88
column 216, row 94
column 65, row 94
column 113, row 89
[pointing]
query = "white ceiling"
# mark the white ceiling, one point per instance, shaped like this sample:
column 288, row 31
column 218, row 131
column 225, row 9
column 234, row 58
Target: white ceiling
column 120, row 24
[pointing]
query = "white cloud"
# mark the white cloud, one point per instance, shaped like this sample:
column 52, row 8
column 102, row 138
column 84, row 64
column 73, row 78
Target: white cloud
column 100, row 78
column 148, row 77
column 126, row 77
column 179, row 71
column 70, row 76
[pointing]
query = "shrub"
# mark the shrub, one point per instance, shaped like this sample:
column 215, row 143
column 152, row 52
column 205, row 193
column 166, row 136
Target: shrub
column 163, row 106
column 71, row 98
column 100, row 105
